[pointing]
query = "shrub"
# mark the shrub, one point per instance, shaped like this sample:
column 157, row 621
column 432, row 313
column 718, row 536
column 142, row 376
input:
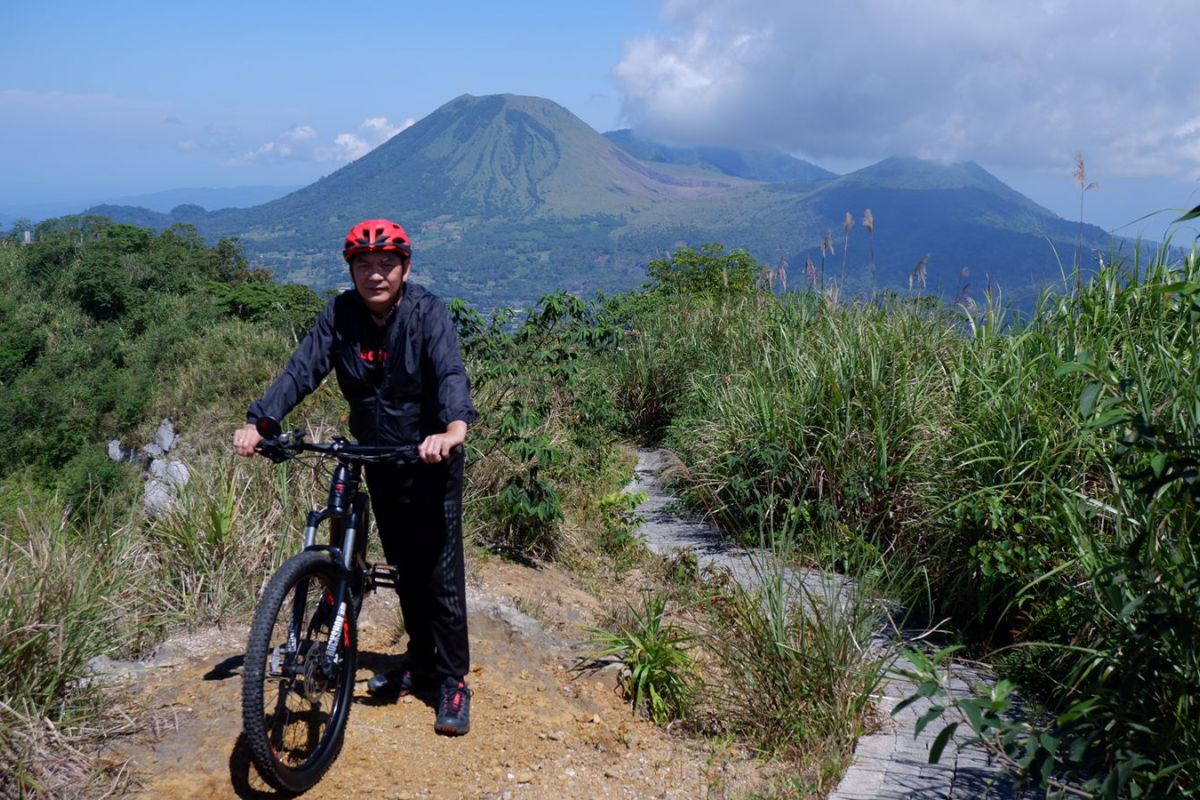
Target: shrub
column 91, row 479
column 618, row 521
column 658, row 678
column 537, row 437
column 709, row 270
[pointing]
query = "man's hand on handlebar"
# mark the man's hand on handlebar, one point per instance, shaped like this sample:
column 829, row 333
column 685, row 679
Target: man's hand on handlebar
column 436, row 448
column 245, row 439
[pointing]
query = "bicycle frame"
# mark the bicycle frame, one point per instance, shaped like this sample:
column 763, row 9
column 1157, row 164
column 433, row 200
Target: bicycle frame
column 347, row 508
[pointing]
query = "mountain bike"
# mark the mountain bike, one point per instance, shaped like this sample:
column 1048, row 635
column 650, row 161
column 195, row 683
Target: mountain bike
column 301, row 657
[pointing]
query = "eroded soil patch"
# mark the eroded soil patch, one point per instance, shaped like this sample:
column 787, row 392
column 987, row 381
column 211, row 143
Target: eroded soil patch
column 538, row 729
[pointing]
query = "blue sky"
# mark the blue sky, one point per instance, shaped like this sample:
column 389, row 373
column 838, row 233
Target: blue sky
column 99, row 100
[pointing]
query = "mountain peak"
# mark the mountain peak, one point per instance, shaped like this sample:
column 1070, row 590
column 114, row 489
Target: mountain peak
column 938, row 174
column 484, row 104
column 911, row 173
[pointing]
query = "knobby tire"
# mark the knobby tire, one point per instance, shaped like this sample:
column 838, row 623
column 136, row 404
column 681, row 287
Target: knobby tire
column 294, row 712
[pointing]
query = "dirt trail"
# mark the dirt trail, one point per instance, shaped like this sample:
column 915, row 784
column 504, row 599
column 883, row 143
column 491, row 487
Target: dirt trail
column 538, row 730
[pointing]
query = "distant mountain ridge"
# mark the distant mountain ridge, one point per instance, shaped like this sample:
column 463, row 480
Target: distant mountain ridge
column 508, row 197
column 163, row 202
column 757, row 165
column 502, row 155
column 205, row 197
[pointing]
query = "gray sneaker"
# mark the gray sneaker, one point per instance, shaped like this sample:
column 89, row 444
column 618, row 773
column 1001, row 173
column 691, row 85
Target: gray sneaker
column 396, row 683
column 454, row 708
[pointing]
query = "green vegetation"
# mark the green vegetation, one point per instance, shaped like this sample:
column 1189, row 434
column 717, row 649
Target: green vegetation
column 1034, row 482
column 618, row 522
column 1109, row 591
column 546, row 430
column 1039, row 478
column 659, row 673
column 97, row 318
column 104, row 330
column 178, row 329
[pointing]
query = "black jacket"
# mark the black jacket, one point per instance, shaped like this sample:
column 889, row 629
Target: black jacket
column 404, row 381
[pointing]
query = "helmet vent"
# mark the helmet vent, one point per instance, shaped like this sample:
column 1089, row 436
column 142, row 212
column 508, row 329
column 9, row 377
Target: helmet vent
column 376, row 234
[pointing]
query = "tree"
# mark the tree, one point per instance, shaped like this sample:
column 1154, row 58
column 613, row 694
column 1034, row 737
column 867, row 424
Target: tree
column 709, row 270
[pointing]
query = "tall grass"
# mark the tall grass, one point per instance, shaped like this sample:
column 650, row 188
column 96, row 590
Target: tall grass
column 1004, row 462
column 790, row 412
column 230, row 529
column 65, row 597
column 790, row 669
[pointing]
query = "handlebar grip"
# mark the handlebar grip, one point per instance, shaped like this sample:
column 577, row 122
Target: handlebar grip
column 268, row 427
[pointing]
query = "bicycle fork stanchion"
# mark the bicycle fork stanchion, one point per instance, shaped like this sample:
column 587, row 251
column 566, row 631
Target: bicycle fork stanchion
column 310, row 528
column 294, row 632
column 345, row 482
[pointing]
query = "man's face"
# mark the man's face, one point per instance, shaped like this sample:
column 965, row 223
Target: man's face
column 379, row 277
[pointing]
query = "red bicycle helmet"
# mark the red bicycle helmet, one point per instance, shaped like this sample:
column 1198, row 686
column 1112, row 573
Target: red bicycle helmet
column 375, row 235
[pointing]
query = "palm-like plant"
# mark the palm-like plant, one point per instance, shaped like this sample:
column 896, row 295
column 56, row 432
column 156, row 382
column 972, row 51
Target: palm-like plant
column 658, row 676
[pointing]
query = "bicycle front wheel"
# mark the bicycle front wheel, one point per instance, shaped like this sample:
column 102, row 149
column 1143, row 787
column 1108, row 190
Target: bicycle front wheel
column 298, row 678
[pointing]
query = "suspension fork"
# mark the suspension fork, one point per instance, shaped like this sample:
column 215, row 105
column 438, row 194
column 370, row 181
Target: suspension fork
column 313, row 522
column 346, row 510
column 346, row 502
column 350, row 578
column 298, row 599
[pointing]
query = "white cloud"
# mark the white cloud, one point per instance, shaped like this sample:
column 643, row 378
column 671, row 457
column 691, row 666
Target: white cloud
column 381, row 130
column 1024, row 83
column 375, row 131
column 296, row 143
column 348, row 147
column 301, row 143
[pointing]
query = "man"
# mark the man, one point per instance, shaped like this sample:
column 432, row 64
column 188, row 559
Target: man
column 395, row 352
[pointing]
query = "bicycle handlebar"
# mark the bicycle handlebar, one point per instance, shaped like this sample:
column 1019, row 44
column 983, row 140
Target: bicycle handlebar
column 279, row 447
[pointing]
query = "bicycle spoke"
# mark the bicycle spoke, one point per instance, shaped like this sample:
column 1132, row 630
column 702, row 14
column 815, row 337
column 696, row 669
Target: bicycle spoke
column 295, row 697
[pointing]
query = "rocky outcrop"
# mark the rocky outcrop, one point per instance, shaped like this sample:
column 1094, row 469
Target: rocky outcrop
column 164, row 476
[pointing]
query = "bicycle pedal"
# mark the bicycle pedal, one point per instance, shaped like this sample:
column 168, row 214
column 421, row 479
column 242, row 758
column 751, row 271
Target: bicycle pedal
column 382, row 575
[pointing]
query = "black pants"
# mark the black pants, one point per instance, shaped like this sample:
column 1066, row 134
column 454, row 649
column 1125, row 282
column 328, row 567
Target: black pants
column 418, row 511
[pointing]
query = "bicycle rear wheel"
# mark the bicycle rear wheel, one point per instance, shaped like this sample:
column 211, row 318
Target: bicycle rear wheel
column 295, row 696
